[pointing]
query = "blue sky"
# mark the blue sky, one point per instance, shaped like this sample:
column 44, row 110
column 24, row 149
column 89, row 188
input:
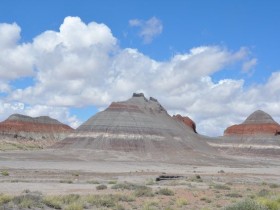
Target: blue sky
column 215, row 61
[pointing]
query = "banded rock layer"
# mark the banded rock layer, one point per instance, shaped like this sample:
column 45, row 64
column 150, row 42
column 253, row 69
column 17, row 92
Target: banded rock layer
column 43, row 131
column 258, row 123
column 137, row 125
column 257, row 135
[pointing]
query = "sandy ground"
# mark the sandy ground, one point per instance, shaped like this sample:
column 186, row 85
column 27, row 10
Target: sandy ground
column 53, row 172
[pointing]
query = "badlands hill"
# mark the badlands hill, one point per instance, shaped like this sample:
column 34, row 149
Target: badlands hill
column 258, row 123
column 38, row 132
column 141, row 127
column 257, row 135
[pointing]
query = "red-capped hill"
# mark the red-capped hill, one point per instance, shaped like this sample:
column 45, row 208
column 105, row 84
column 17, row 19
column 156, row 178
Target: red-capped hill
column 186, row 120
column 258, row 123
column 22, row 128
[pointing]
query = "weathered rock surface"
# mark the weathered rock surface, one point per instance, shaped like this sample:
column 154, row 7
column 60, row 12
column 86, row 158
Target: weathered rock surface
column 140, row 126
column 42, row 131
column 258, row 123
column 257, row 135
column 186, row 120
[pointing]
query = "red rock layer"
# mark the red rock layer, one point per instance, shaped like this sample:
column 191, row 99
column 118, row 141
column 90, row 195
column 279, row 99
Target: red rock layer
column 253, row 129
column 187, row 121
column 21, row 126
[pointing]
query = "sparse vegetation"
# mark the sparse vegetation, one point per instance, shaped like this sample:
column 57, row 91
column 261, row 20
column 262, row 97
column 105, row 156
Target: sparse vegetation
column 101, row 187
column 66, row 181
column 180, row 202
column 143, row 191
column 221, row 187
column 113, row 182
column 5, row 173
column 165, row 191
column 93, row 182
column 247, row 204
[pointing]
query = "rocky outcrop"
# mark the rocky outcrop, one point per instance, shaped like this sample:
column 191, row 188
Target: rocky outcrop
column 186, row 120
column 42, row 131
column 258, row 123
column 137, row 126
column 258, row 135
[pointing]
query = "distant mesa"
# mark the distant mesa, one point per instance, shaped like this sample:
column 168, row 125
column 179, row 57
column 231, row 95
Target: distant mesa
column 137, row 125
column 258, row 123
column 42, row 130
column 186, row 120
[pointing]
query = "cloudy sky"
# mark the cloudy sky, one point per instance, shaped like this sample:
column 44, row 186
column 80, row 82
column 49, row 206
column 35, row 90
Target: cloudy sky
column 214, row 61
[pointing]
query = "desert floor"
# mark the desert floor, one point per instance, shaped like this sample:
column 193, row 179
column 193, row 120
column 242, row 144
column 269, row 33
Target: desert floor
column 129, row 183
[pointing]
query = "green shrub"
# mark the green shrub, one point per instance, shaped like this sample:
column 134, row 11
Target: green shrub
column 125, row 186
column 144, row 192
column 75, row 206
column 67, row 199
column 101, row 187
column 93, row 182
column 263, row 193
column 221, row 187
column 53, row 202
column 165, row 191
column 112, row 182
column 247, row 204
column 234, row 195
column 5, row 199
column 5, row 173
column 273, row 185
column 66, row 181
column 180, row 202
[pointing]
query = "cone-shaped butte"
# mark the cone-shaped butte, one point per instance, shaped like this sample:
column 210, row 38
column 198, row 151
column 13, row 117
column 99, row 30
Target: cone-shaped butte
column 137, row 125
column 43, row 131
column 258, row 123
column 186, row 120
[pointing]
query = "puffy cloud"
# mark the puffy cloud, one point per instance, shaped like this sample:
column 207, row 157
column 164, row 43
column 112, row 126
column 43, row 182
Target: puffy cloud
column 15, row 60
column 248, row 65
column 148, row 29
column 82, row 64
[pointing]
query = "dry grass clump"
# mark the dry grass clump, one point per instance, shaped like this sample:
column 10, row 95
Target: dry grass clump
column 180, row 202
column 5, row 173
column 101, row 187
column 165, row 191
column 221, row 187
column 143, row 191
column 247, row 204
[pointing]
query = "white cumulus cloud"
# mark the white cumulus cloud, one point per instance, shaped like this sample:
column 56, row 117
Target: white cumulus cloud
column 82, row 64
column 149, row 29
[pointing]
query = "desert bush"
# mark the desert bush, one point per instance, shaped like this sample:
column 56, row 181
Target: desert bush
column 53, row 202
column 5, row 199
column 124, row 198
column 247, row 204
column 112, row 182
column 108, row 201
column 234, row 195
column 272, row 203
column 75, row 206
column 66, row 181
column 71, row 198
column 273, row 185
column 180, row 202
column 263, row 193
column 28, row 200
column 144, row 192
column 150, row 205
column 125, row 186
column 165, row 191
column 93, row 182
column 221, row 187
column 5, row 173
column 207, row 200
column 101, row 187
